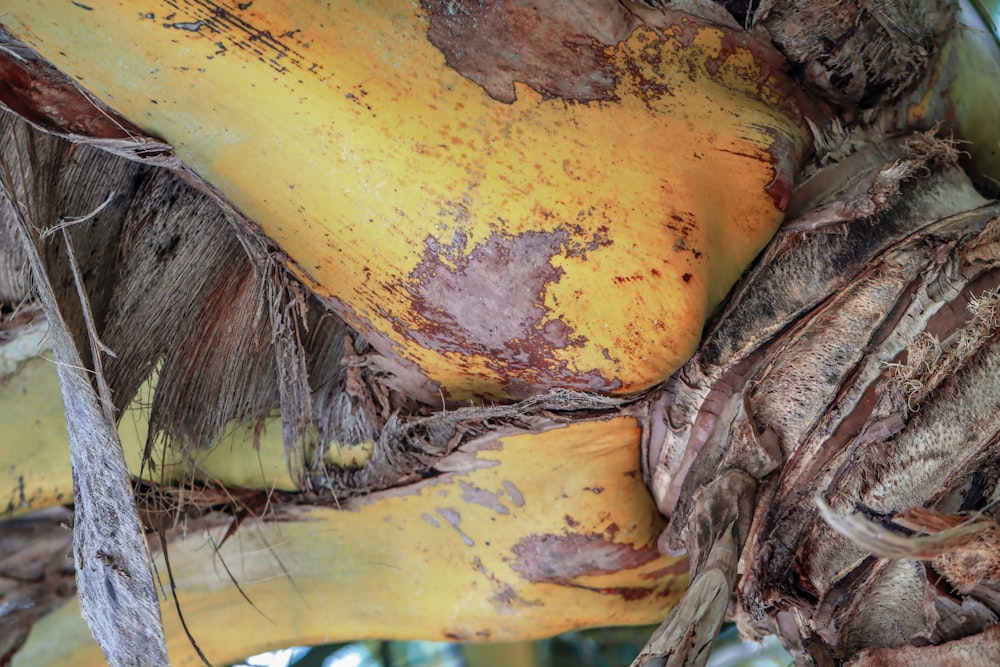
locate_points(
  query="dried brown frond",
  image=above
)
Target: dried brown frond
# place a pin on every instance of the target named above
(929, 361)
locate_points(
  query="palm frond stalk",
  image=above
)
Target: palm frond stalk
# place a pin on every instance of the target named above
(487, 321)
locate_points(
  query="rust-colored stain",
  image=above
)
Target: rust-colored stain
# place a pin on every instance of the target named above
(497, 43)
(506, 600)
(561, 558)
(777, 189)
(35, 91)
(573, 53)
(490, 302)
(630, 593)
(651, 54)
(758, 73)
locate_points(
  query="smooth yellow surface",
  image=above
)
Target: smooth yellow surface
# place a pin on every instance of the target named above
(241, 457)
(339, 128)
(34, 448)
(35, 468)
(395, 567)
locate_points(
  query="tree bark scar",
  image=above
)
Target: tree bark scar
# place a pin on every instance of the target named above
(560, 52)
(490, 301)
(47, 99)
(559, 558)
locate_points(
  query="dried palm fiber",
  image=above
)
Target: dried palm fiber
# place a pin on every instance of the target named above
(173, 288)
(114, 575)
(14, 280)
(253, 331)
(804, 369)
(858, 55)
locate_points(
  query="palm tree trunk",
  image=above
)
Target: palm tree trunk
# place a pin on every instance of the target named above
(478, 425)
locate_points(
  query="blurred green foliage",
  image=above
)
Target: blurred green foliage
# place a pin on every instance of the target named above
(603, 647)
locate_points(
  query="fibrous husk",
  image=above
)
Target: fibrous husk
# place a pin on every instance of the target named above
(111, 556)
(867, 364)
(977, 649)
(858, 55)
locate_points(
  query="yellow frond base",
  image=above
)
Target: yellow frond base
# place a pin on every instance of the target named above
(540, 532)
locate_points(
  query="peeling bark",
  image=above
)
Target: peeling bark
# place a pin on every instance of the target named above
(877, 386)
